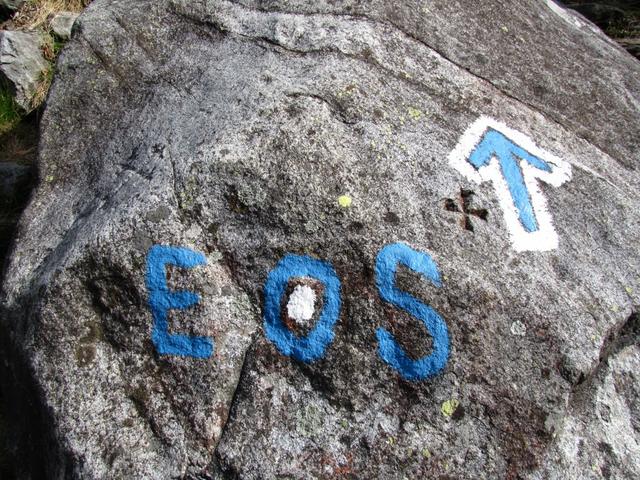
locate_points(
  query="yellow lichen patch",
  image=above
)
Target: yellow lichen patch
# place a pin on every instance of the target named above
(449, 407)
(345, 201)
(414, 113)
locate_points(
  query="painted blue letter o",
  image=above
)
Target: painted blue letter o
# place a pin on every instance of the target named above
(313, 346)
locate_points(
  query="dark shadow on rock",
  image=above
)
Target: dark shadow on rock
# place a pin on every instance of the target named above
(18, 152)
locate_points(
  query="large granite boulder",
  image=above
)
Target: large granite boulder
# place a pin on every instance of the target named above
(324, 239)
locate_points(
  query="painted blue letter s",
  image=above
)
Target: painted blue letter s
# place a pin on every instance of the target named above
(161, 299)
(391, 352)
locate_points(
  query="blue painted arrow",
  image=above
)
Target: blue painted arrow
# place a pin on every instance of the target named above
(495, 144)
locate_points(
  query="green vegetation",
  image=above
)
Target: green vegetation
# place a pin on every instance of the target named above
(46, 78)
(618, 18)
(626, 28)
(9, 111)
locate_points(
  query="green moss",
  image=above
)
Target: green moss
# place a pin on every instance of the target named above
(309, 420)
(188, 195)
(9, 110)
(57, 46)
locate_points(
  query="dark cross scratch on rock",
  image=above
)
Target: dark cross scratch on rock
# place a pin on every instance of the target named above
(464, 205)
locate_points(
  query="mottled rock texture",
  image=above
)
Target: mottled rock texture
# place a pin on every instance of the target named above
(233, 128)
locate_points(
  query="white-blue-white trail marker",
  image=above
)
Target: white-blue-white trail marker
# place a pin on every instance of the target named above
(489, 151)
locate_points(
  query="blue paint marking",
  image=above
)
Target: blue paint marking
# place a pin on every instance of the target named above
(161, 300)
(495, 144)
(391, 352)
(313, 346)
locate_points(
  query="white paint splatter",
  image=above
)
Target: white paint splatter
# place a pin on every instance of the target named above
(518, 328)
(302, 304)
(545, 238)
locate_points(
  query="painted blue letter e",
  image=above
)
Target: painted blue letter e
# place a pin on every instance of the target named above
(161, 299)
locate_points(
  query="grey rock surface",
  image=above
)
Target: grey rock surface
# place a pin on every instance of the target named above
(62, 23)
(599, 435)
(21, 64)
(232, 129)
(11, 4)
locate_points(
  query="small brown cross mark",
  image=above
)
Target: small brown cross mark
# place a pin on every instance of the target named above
(463, 205)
